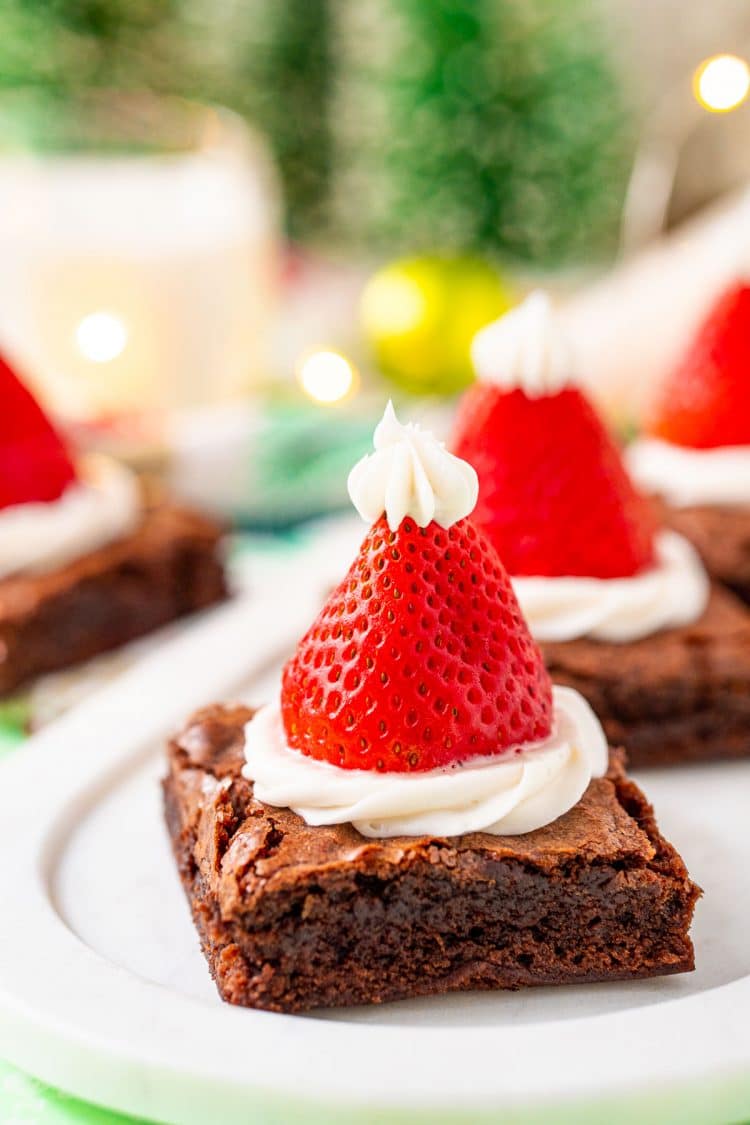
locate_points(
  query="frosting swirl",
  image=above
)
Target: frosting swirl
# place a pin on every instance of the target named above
(673, 592)
(526, 349)
(691, 476)
(101, 506)
(411, 473)
(520, 791)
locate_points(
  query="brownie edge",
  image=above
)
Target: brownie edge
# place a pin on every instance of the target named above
(169, 566)
(721, 535)
(292, 917)
(677, 696)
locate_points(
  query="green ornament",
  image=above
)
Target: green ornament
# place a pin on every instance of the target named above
(420, 315)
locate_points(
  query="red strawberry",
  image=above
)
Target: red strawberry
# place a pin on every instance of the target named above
(706, 401)
(419, 659)
(554, 496)
(34, 463)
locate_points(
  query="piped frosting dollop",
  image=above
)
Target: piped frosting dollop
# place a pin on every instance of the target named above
(411, 473)
(527, 349)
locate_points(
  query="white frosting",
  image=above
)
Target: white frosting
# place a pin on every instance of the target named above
(691, 476)
(515, 793)
(101, 506)
(527, 349)
(411, 473)
(673, 592)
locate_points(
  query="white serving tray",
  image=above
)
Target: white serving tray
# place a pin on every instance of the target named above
(104, 992)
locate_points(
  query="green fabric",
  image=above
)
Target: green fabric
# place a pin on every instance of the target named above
(24, 1101)
(14, 719)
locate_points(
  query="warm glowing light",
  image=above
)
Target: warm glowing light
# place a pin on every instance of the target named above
(101, 337)
(326, 376)
(722, 83)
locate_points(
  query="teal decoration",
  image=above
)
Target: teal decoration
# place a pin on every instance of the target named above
(300, 464)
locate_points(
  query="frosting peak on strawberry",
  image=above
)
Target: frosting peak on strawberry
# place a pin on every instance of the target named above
(554, 496)
(420, 658)
(526, 349)
(411, 474)
(34, 464)
(705, 403)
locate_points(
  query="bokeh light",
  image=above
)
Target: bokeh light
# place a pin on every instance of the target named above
(326, 376)
(722, 83)
(101, 337)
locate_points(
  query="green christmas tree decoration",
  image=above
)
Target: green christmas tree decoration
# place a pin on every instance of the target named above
(283, 68)
(492, 126)
(62, 47)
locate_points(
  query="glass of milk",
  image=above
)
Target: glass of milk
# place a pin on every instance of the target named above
(139, 242)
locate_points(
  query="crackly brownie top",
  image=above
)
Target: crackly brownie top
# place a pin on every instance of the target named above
(237, 835)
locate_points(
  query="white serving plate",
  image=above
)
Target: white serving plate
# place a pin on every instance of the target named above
(104, 992)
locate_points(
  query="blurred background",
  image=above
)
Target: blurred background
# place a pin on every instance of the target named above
(230, 228)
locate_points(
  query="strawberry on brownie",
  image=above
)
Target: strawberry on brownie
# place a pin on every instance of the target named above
(695, 453)
(85, 565)
(35, 466)
(420, 809)
(622, 607)
(425, 613)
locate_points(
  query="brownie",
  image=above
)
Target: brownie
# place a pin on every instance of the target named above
(721, 536)
(293, 917)
(677, 696)
(169, 566)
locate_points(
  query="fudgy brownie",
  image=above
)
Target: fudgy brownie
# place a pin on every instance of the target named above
(677, 696)
(293, 917)
(721, 535)
(169, 566)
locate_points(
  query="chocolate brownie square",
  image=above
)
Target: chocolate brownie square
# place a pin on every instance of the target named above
(721, 535)
(169, 566)
(293, 917)
(678, 696)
